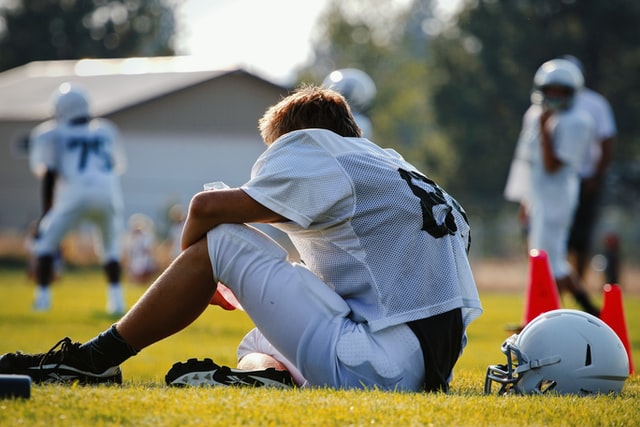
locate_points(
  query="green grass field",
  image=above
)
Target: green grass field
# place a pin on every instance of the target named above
(144, 400)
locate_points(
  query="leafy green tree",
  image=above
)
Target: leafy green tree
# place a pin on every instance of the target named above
(483, 69)
(451, 95)
(71, 29)
(388, 44)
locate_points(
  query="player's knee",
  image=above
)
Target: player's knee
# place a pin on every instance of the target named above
(250, 237)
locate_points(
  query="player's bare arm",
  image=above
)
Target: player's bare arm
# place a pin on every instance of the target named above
(551, 161)
(230, 206)
(593, 183)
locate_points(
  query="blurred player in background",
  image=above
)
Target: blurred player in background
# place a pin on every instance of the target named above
(359, 90)
(177, 216)
(544, 175)
(593, 172)
(384, 297)
(78, 159)
(140, 249)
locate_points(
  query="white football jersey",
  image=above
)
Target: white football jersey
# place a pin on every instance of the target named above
(78, 153)
(571, 134)
(381, 234)
(605, 126)
(87, 159)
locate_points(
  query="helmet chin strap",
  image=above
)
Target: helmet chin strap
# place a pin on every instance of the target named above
(538, 363)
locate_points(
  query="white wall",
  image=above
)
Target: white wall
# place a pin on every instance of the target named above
(163, 169)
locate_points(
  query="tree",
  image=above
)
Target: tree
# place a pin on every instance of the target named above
(451, 94)
(484, 66)
(33, 30)
(388, 44)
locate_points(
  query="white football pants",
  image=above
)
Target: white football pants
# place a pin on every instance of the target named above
(74, 203)
(306, 321)
(551, 235)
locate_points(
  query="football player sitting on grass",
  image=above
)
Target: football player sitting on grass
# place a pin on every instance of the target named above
(383, 298)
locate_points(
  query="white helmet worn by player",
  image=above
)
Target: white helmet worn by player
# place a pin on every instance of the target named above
(355, 85)
(557, 72)
(562, 351)
(70, 102)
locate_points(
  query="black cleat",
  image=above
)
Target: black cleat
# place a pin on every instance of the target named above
(62, 366)
(205, 373)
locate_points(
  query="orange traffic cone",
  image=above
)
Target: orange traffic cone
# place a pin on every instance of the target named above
(612, 314)
(542, 292)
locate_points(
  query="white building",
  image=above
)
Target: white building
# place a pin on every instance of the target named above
(182, 126)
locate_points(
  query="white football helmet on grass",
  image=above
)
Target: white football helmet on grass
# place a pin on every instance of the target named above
(562, 351)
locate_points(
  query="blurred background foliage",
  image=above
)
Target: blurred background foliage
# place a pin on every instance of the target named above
(452, 89)
(39, 30)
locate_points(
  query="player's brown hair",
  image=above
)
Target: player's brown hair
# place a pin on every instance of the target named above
(308, 107)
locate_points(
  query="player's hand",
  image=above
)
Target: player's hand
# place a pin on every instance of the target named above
(544, 117)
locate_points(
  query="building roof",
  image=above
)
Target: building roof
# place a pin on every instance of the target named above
(112, 84)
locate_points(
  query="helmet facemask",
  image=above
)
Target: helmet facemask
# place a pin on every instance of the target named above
(511, 375)
(554, 97)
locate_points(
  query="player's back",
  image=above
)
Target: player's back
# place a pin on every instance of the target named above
(83, 153)
(385, 237)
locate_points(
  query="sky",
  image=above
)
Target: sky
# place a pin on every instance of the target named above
(269, 36)
(272, 37)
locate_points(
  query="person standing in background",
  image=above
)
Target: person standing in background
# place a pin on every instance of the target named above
(544, 176)
(593, 172)
(78, 159)
(140, 249)
(177, 215)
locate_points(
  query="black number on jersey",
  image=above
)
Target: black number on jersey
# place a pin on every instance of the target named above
(428, 200)
(90, 147)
